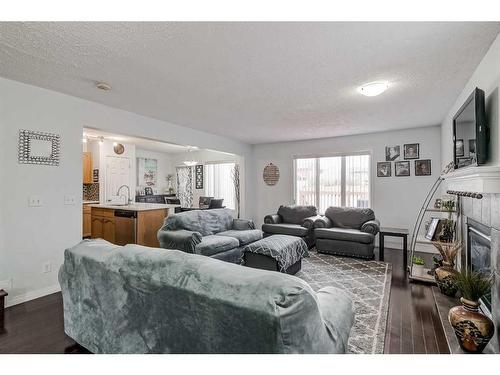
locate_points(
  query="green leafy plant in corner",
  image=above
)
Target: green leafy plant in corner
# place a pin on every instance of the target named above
(472, 284)
(418, 261)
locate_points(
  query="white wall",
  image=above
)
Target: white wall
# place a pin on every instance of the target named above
(487, 78)
(37, 235)
(395, 200)
(165, 166)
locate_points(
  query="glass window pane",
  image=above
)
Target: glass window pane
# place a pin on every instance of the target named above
(357, 181)
(305, 172)
(219, 183)
(330, 182)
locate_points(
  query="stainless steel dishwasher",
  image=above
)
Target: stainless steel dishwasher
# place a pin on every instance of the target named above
(125, 227)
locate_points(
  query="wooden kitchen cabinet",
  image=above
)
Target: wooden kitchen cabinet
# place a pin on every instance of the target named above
(103, 224)
(87, 221)
(87, 168)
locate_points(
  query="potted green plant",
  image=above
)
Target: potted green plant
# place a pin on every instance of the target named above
(472, 328)
(418, 266)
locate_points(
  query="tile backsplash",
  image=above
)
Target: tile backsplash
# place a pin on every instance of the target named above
(91, 192)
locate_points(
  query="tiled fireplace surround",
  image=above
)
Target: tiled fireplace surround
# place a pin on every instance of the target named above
(487, 212)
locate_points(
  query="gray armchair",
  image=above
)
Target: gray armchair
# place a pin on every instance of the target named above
(214, 233)
(347, 231)
(293, 221)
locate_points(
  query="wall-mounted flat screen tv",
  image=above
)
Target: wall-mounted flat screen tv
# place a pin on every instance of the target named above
(471, 132)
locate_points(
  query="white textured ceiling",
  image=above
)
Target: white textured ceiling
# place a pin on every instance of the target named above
(257, 82)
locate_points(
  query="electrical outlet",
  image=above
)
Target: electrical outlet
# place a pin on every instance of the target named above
(6, 285)
(35, 201)
(47, 267)
(69, 199)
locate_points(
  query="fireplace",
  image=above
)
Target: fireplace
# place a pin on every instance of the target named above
(479, 255)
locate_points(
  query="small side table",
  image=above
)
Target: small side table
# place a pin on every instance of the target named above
(3, 294)
(394, 232)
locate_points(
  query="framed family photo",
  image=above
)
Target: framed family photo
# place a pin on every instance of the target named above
(411, 151)
(423, 167)
(392, 153)
(384, 169)
(402, 168)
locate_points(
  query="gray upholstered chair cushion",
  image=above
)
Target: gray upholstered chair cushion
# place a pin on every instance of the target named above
(296, 214)
(343, 234)
(289, 229)
(206, 222)
(243, 236)
(241, 224)
(211, 245)
(349, 217)
(273, 219)
(323, 222)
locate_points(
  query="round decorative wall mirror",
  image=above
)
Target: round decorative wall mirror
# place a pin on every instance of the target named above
(118, 148)
(271, 174)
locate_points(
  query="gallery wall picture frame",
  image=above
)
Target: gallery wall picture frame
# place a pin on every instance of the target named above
(411, 151)
(147, 172)
(423, 167)
(198, 173)
(40, 148)
(401, 168)
(384, 169)
(392, 152)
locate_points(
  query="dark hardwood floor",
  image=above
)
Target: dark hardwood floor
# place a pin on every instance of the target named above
(413, 324)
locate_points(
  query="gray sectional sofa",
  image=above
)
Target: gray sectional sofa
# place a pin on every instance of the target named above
(293, 221)
(136, 299)
(347, 231)
(214, 233)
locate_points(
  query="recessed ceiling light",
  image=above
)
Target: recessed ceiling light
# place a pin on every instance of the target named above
(373, 88)
(103, 86)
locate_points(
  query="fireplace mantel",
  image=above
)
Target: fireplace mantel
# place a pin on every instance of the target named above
(484, 179)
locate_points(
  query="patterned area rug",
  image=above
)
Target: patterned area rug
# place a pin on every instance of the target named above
(369, 285)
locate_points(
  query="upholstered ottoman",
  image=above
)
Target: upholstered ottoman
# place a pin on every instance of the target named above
(278, 252)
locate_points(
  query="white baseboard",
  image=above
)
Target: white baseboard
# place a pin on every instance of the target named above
(34, 294)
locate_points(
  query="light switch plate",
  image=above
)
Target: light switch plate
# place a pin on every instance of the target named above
(35, 201)
(69, 199)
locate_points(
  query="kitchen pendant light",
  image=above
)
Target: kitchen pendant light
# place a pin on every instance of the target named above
(190, 162)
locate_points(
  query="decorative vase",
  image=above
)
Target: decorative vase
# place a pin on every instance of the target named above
(472, 328)
(418, 269)
(444, 279)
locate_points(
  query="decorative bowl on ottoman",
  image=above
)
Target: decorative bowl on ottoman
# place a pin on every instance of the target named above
(279, 252)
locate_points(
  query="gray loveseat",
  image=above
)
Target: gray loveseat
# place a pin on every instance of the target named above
(347, 231)
(293, 221)
(136, 299)
(214, 233)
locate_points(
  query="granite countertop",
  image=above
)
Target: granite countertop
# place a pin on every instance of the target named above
(137, 206)
(90, 202)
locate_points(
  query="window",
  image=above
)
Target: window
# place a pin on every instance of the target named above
(333, 181)
(219, 183)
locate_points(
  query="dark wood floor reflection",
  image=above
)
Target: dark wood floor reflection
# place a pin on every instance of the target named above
(413, 323)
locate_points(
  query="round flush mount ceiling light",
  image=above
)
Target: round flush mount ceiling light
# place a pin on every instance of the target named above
(373, 88)
(103, 86)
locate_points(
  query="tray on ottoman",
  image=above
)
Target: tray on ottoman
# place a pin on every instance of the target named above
(276, 253)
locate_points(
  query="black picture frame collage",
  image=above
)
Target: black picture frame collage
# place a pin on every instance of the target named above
(402, 168)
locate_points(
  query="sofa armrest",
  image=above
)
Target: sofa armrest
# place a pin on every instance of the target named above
(371, 226)
(183, 240)
(337, 312)
(273, 219)
(241, 224)
(323, 222)
(309, 221)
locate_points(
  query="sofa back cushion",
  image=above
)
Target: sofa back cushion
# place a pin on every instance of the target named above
(124, 300)
(296, 214)
(349, 217)
(206, 222)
